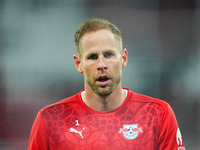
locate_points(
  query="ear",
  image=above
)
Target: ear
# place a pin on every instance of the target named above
(77, 62)
(124, 55)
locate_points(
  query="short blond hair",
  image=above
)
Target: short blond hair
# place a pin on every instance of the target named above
(92, 25)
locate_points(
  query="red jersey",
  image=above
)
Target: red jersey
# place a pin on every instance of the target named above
(140, 123)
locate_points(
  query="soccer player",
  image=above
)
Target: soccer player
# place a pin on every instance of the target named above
(104, 116)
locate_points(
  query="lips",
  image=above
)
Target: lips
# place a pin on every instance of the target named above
(103, 80)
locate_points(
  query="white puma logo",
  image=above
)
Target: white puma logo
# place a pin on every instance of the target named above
(75, 131)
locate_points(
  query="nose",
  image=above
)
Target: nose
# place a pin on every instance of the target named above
(101, 64)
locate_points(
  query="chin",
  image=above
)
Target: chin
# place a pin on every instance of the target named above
(103, 91)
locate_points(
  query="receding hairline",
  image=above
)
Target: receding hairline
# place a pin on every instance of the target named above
(94, 25)
(117, 40)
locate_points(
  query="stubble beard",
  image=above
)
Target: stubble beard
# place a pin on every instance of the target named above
(104, 91)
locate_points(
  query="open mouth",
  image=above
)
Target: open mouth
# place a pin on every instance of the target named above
(103, 78)
(103, 81)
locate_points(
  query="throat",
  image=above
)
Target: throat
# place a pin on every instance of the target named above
(108, 103)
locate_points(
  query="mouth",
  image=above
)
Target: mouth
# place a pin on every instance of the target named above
(103, 80)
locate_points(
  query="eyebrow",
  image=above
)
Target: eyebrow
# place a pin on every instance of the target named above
(109, 51)
(90, 54)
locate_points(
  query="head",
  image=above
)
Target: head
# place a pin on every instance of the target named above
(100, 56)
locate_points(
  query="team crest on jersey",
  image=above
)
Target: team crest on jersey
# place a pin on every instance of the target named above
(130, 131)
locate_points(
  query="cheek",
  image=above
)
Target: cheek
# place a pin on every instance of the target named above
(88, 68)
(88, 72)
(85, 67)
(117, 67)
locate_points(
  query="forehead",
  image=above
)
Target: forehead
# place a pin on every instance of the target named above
(98, 40)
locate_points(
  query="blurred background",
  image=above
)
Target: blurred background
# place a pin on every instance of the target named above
(36, 58)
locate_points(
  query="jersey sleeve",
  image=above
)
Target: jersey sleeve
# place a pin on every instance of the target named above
(38, 137)
(170, 137)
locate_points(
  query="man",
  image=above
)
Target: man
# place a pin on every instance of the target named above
(104, 115)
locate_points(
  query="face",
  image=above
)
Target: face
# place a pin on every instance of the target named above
(101, 61)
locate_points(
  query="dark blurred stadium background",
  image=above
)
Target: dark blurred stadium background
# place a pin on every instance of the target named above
(36, 66)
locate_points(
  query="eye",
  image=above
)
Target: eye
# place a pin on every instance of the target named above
(108, 54)
(93, 56)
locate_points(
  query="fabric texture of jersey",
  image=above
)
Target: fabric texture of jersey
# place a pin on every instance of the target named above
(140, 123)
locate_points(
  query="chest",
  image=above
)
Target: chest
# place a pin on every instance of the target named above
(128, 128)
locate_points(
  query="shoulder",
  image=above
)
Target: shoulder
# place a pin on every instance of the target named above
(147, 100)
(150, 105)
(64, 104)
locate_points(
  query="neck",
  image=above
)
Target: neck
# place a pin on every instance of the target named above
(110, 102)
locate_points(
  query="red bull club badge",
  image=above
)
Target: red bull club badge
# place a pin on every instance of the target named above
(130, 131)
